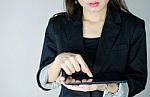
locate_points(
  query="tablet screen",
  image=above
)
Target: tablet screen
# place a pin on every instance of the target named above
(98, 78)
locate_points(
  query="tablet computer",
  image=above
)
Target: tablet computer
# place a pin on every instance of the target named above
(98, 78)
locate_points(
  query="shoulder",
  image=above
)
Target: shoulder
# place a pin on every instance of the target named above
(57, 22)
(133, 24)
(130, 19)
(60, 17)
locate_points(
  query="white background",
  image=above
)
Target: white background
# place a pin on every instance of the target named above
(22, 28)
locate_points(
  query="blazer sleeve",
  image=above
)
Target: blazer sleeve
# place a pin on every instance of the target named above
(137, 60)
(49, 51)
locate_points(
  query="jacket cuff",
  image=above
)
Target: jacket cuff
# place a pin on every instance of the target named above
(43, 78)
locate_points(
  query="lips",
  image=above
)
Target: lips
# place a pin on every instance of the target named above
(93, 4)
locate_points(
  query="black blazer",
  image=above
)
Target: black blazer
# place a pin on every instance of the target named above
(122, 48)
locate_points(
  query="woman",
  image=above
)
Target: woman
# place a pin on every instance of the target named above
(94, 36)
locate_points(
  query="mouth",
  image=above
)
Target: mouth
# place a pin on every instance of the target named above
(93, 4)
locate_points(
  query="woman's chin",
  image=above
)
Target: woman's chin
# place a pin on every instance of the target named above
(93, 10)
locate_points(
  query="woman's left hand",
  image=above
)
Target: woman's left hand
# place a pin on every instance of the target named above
(84, 88)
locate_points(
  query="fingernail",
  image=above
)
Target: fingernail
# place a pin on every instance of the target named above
(90, 75)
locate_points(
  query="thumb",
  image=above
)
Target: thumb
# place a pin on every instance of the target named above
(62, 79)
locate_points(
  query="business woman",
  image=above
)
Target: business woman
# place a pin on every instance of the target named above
(94, 36)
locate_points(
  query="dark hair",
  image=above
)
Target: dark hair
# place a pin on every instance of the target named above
(72, 7)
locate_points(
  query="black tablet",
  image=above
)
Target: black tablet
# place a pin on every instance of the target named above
(98, 78)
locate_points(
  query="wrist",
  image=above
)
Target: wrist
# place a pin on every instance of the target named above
(54, 71)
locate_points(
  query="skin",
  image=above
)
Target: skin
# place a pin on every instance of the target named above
(93, 20)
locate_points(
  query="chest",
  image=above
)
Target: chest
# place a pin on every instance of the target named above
(113, 46)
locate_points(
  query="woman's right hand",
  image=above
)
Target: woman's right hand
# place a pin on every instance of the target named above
(71, 63)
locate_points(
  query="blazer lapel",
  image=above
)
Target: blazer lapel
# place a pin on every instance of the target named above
(111, 29)
(74, 35)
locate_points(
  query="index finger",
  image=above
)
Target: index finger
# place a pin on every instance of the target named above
(84, 66)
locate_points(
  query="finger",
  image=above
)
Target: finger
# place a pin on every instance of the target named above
(66, 69)
(73, 80)
(75, 63)
(70, 66)
(72, 87)
(62, 79)
(84, 80)
(89, 80)
(86, 70)
(69, 79)
(84, 66)
(101, 87)
(77, 81)
(85, 87)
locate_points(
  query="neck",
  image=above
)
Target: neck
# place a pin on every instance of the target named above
(94, 16)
